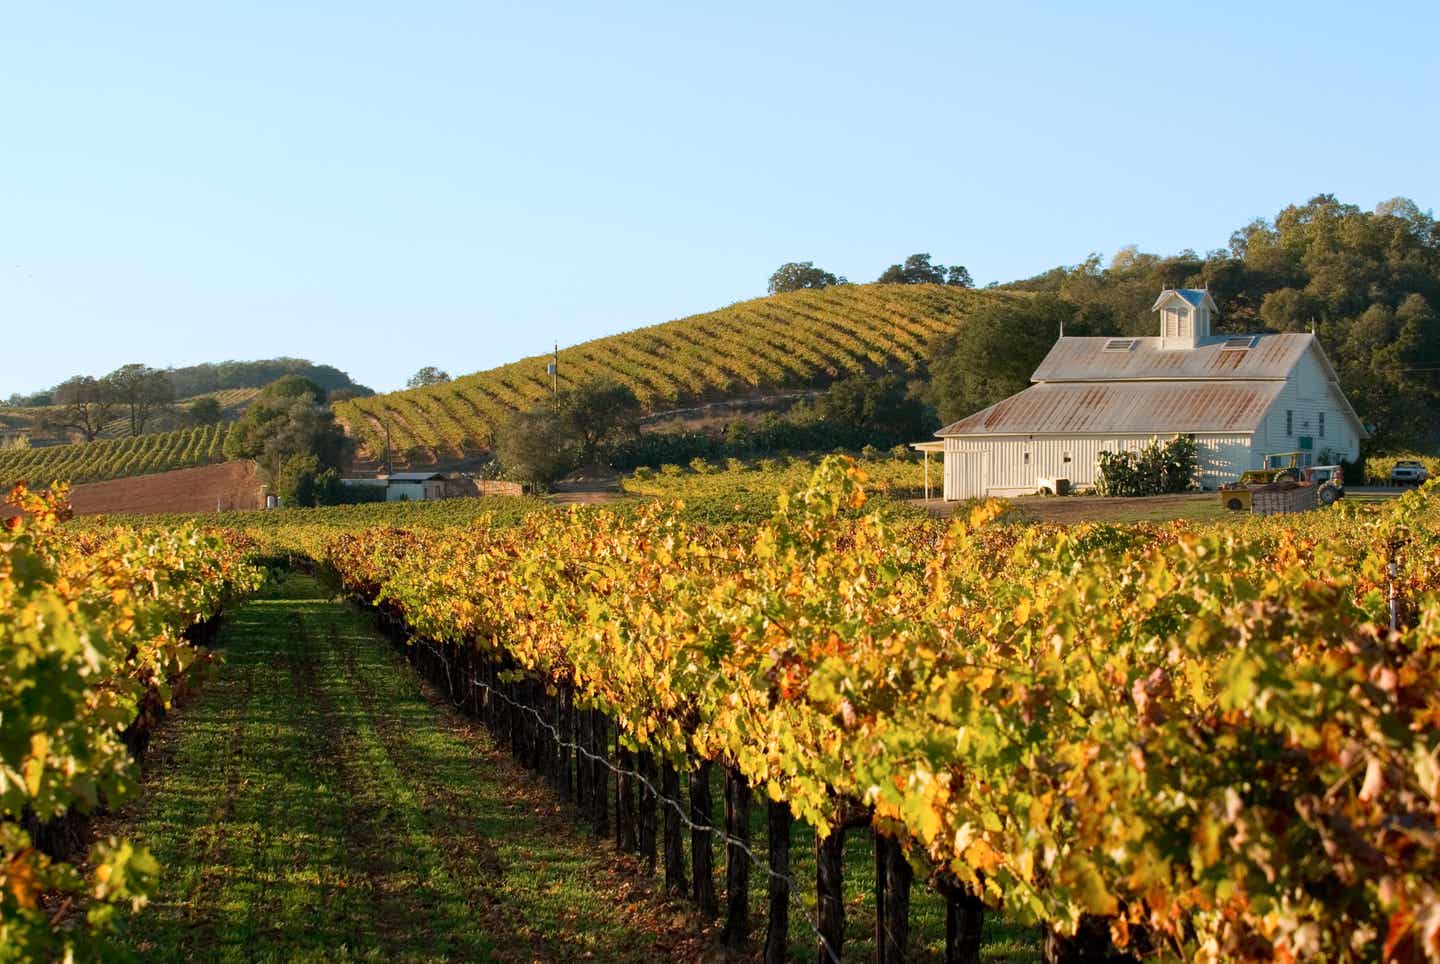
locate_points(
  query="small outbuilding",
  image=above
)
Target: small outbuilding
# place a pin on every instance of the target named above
(1240, 396)
(414, 486)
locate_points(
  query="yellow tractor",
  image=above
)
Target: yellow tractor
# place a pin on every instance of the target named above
(1281, 469)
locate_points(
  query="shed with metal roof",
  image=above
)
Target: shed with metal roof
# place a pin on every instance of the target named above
(1239, 396)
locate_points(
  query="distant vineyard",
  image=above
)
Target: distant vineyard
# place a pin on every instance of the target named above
(795, 339)
(114, 458)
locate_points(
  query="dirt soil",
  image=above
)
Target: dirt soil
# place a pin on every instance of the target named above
(230, 485)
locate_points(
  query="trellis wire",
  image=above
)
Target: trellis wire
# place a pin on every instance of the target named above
(673, 804)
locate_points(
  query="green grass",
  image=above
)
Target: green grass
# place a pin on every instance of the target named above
(313, 804)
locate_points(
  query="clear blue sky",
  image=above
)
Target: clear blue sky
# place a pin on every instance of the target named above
(385, 186)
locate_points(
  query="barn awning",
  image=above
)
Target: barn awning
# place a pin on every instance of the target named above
(1124, 408)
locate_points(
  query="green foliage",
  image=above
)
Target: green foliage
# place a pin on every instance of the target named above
(992, 356)
(917, 270)
(142, 391)
(597, 416)
(796, 275)
(535, 448)
(1159, 468)
(204, 411)
(288, 419)
(429, 375)
(884, 407)
(295, 482)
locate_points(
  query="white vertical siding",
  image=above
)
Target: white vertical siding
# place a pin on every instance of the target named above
(1308, 394)
(1015, 461)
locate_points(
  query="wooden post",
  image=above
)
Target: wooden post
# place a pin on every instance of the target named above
(625, 802)
(882, 860)
(964, 920)
(646, 766)
(737, 860)
(830, 895)
(1091, 942)
(562, 750)
(899, 875)
(675, 882)
(701, 857)
(777, 928)
(582, 762)
(600, 798)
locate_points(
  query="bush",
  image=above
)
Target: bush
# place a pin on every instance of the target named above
(643, 474)
(1157, 469)
(701, 467)
(733, 464)
(1377, 467)
(904, 453)
(670, 468)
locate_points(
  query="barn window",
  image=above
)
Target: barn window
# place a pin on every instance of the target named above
(1322, 424)
(1289, 422)
(1027, 458)
(1066, 458)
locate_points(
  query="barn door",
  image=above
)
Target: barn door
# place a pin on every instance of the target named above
(967, 475)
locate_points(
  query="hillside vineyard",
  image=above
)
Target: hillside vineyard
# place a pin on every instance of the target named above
(800, 338)
(114, 458)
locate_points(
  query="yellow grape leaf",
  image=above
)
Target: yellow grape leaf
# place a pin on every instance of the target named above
(35, 765)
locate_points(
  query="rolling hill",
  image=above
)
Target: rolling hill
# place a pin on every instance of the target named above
(798, 339)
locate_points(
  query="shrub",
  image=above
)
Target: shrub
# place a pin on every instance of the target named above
(733, 464)
(699, 466)
(1157, 469)
(670, 468)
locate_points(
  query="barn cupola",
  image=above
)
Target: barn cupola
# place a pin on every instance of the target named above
(1185, 316)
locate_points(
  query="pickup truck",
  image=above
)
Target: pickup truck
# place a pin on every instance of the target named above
(1408, 472)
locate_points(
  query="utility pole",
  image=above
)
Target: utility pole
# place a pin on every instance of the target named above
(389, 467)
(553, 370)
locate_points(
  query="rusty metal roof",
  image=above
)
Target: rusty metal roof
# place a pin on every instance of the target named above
(1085, 359)
(1125, 408)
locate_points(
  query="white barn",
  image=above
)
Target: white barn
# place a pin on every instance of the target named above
(1241, 396)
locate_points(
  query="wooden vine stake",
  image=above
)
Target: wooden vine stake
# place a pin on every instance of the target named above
(778, 821)
(737, 860)
(701, 856)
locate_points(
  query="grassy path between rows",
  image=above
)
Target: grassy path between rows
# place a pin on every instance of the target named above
(313, 804)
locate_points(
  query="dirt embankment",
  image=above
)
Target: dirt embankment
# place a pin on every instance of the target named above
(229, 485)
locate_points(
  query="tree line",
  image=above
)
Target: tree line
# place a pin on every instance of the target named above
(914, 270)
(191, 380)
